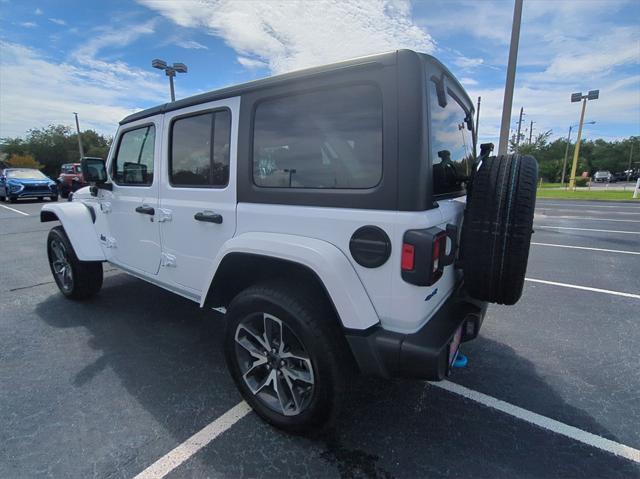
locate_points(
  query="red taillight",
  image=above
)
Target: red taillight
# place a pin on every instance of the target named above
(408, 257)
(424, 254)
(439, 250)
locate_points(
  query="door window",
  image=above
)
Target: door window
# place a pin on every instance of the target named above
(322, 139)
(200, 150)
(133, 163)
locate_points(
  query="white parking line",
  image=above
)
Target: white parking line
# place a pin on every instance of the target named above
(586, 229)
(582, 218)
(587, 248)
(591, 211)
(202, 438)
(542, 421)
(587, 205)
(184, 451)
(584, 288)
(17, 211)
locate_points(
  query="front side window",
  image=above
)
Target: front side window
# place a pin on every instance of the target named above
(133, 163)
(323, 139)
(451, 143)
(200, 150)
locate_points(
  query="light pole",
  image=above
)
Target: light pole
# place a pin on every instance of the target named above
(511, 78)
(79, 137)
(576, 97)
(170, 71)
(566, 150)
(531, 130)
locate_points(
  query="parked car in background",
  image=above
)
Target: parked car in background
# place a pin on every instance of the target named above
(16, 183)
(602, 176)
(620, 176)
(70, 179)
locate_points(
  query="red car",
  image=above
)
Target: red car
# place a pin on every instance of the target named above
(70, 179)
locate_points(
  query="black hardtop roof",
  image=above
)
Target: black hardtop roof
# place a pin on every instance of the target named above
(382, 59)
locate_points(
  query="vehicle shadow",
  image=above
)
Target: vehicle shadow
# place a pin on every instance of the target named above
(168, 355)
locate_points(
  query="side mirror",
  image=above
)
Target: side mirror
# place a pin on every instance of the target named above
(94, 172)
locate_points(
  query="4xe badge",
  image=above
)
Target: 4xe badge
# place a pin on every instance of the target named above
(431, 295)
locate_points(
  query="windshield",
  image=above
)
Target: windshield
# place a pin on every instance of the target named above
(451, 141)
(26, 174)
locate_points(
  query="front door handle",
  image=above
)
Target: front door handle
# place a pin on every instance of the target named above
(208, 217)
(145, 210)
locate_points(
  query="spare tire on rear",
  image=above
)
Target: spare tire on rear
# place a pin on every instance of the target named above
(497, 228)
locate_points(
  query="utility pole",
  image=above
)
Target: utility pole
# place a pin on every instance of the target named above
(477, 125)
(531, 130)
(511, 78)
(519, 126)
(79, 137)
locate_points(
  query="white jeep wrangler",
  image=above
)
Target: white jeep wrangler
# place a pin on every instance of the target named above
(323, 210)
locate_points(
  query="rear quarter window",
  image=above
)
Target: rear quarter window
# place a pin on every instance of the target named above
(329, 139)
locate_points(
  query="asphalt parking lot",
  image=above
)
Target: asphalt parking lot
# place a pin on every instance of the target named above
(108, 387)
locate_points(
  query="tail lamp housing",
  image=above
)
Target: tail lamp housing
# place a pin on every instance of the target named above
(424, 254)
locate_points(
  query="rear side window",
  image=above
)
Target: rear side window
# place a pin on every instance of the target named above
(451, 144)
(200, 150)
(322, 139)
(133, 164)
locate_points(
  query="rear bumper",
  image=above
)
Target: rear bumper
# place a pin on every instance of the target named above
(423, 354)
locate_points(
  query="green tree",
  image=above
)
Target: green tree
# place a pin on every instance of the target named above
(54, 145)
(23, 161)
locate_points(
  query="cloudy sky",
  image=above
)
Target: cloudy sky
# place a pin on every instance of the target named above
(61, 56)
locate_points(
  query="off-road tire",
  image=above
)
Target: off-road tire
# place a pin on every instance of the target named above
(309, 315)
(87, 275)
(497, 228)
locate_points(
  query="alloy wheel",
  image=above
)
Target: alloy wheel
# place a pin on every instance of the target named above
(274, 364)
(61, 266)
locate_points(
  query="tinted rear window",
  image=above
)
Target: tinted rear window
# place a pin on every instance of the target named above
(451, 143)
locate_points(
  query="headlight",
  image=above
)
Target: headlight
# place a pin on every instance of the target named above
(15, 187)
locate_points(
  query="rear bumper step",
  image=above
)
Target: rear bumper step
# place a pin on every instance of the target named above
(423, 354)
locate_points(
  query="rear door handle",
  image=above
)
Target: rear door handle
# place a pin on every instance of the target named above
(208, 217)
(145, 210)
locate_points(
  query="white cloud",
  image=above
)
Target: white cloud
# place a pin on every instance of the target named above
(468, 81)
(191, 45)
(467, 63)
(57, 21)
(289, 35)
(38, 12)
(597, 55)
(251, 63)
(28, 24)
(36, 92)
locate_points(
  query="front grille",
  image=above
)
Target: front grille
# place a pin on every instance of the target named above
(36, 189)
